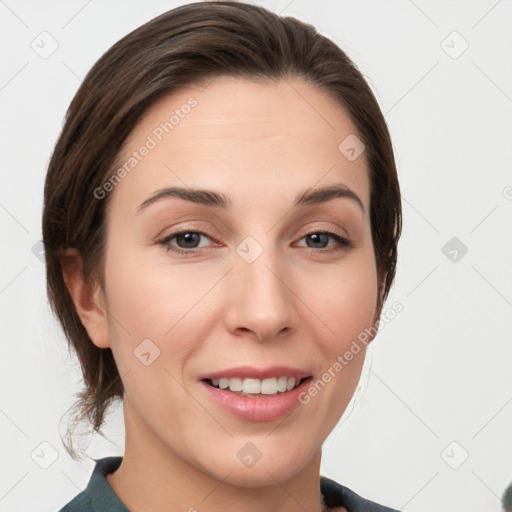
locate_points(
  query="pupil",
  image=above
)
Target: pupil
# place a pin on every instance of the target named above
(319, 238)
(189, 239)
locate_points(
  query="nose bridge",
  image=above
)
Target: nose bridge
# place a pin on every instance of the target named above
(261, 301)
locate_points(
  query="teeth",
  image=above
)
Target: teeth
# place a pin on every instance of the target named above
(290, 384)
(257, 386)
(252, 386)
(282, 382)
(236, 384)
(269, 386)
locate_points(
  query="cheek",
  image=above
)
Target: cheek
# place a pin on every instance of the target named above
(345, 301)
(151, 298)
(344, 298)
(151, 306)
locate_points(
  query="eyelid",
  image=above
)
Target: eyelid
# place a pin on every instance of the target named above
(319, 229)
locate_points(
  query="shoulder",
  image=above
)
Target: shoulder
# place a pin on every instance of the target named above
(98, 496)
(337, 495)
(78, 504)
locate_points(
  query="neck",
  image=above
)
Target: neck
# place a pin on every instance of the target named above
(152, 477)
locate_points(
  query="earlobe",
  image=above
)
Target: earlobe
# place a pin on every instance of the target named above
(87, 298)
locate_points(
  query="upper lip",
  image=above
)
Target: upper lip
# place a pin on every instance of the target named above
(251, 372)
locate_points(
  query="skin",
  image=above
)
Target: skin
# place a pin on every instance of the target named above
(261, 143)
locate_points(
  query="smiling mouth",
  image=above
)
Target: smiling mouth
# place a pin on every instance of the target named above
(256, 388)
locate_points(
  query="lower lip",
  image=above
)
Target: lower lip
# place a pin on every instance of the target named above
(261, 408)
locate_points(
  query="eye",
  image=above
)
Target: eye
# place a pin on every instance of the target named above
(319, 240)
(187, 241)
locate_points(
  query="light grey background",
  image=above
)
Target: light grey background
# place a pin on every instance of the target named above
(438, 386)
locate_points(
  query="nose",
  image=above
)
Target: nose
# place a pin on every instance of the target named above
(261, 298)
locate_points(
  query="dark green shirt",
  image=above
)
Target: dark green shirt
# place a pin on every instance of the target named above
(98, 496)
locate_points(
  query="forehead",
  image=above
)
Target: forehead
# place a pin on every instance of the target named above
(255, 139)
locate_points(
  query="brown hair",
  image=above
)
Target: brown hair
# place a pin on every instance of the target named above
(189, 45)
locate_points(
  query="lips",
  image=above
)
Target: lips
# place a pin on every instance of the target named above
(256, 394)
(250, 372)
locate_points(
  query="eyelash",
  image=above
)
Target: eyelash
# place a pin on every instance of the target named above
(343, 243)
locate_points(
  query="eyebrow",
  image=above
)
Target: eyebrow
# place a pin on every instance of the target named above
(212, 198)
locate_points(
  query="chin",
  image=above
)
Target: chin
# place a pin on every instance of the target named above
(262, 475)
(251, 467)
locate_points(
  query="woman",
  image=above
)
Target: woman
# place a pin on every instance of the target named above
(221, 221)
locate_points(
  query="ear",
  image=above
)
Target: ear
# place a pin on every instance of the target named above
(87, 296)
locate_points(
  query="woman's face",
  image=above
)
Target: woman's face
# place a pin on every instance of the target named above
(252, 288)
